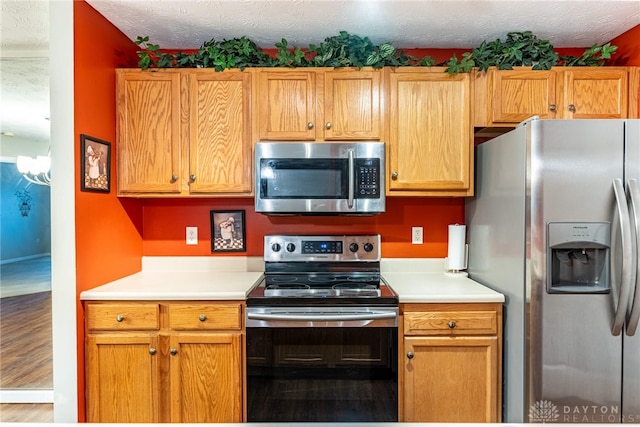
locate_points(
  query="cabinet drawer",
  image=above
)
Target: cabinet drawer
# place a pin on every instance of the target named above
(116, 316)
(451, 323)
(205, 316)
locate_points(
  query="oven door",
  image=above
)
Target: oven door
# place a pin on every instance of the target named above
(328, 364)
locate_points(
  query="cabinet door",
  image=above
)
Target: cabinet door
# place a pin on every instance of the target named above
(430, 134)
(287, 105)
(122, 375)
(219, 132)
(451, 379)
(520, 94)
(595, 93)
(148, 129)
(206, 378)
(351, 105)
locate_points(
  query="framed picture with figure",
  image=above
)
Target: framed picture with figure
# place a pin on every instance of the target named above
(95, 164)
(228, 231)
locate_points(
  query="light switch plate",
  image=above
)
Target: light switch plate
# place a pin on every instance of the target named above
(192, 235)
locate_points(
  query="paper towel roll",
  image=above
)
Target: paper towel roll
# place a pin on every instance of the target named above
(456, 258)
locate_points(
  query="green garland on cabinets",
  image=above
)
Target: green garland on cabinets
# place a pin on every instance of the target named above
(350, 50)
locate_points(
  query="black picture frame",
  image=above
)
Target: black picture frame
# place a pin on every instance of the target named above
(228, 231)
(95, 164)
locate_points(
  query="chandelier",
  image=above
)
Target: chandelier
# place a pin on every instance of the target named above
(35, 170)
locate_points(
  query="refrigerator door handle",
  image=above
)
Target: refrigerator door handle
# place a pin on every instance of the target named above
(628, 257)
(634, 307)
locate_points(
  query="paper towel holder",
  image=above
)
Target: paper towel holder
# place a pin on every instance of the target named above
(458, 273)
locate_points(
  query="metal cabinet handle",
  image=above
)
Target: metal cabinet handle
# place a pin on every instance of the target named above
(202, 317)
(572, 107)
(394, 175)
(152, 351)
(174, 177)
(451, 324)
(119, 318)
(192, 177)
(410, 355)
(310, 125)
(173, 351)
(552, 107)
(328, 125)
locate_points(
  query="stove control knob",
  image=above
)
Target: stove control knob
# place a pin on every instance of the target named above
(353, 247)
(291, 247)
(368, 247)
(275, 247)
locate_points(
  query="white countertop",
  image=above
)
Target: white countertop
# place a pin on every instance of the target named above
(231, 278)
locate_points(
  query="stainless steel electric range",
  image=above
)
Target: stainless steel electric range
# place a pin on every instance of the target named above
(322, 333)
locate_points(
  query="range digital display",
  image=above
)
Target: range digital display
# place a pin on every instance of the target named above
(321, 247)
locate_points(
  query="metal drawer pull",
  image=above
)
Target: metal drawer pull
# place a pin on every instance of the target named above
(552, 107)
(451, 324)
(152, 351)
(310, 125)
(174, 178)
(410, 355)
(572, 107)
(119, 318)
(202, 317)
(173, 351)
(328, 125)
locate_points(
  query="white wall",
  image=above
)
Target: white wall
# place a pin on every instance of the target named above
(63, 250)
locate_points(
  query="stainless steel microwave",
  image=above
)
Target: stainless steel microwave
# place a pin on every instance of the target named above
(320, 178)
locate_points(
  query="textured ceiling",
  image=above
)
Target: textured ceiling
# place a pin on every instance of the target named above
(406, 23)
(24, 32)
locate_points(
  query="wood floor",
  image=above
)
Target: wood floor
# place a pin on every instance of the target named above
(26, 360)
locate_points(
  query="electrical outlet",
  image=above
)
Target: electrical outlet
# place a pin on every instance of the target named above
(416, 235)
(192, 235)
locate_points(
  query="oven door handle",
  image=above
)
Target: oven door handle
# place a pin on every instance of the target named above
(321, 316)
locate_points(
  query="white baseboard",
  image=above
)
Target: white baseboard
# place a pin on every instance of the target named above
(26, 396)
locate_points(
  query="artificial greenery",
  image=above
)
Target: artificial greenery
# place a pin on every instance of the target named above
(349, 50)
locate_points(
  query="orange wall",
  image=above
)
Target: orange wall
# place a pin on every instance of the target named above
(628, 53)
(108, 231)
(165, 221)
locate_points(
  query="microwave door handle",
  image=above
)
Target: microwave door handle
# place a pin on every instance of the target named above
(351, 180)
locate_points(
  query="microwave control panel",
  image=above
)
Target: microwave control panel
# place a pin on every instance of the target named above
(368, 178)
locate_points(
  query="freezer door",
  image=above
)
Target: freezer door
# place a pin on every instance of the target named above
(631, 345)
(574, 363)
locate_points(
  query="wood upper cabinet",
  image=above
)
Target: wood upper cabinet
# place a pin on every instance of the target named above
(451, 363)
(219, 132)
(507, 97)
(164, 362)
(148, 131)
(318, 104)
(184, 132)
(430, 135)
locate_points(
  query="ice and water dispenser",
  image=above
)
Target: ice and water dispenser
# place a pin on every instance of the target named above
(578, 257)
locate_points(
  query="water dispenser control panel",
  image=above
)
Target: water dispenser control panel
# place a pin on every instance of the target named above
(578, 257)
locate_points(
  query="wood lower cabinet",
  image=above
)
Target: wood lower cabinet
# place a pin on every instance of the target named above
(430, 135)
(318, 104)
(178, 362)
(451, 363)
(183, 132)
(507, 97)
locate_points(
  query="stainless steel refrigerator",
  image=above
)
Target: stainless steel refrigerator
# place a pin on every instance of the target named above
(553, 226)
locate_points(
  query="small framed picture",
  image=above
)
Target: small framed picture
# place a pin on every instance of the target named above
(228, 231)
(95, 167)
